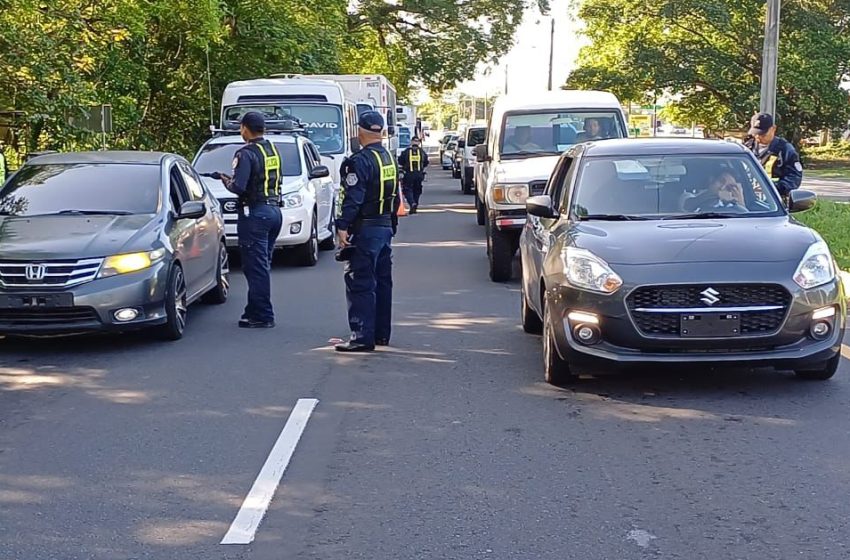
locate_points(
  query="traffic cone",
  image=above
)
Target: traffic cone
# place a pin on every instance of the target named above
(402, 209)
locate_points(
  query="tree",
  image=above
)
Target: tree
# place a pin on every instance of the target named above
(706, 55)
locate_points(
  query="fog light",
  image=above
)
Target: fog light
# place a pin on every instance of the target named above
(126, 314)
(587, 334)
(295, 228)
(821, 329)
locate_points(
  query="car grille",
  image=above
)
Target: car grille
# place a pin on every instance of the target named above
(48, 274)
(536, 188)
(60, 316)
(657, 310)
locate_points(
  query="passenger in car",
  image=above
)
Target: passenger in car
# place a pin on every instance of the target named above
(521, 140)
(724, 192)
(592, 130)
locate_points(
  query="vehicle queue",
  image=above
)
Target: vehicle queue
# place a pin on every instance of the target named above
(632, 251)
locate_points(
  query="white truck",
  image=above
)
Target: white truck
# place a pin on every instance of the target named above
(370, 92)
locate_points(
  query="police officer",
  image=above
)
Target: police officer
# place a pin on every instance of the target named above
(776, 154)
(365, 226)
(256, 180)
(413, 161)
(2, 165)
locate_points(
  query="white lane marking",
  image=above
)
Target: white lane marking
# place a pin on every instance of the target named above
(253, 509)
(642, 538)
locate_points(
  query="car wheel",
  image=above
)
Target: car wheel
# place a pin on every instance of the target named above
(556, 371)
(176, 305)
(531, 322)
(329, 244)
(308, 253)
(221, 290)
(480, 213)
(501, 253)
(828, 370)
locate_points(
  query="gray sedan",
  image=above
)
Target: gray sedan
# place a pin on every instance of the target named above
(108, 241)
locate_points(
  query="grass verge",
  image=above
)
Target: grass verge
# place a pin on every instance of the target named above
(832, 221)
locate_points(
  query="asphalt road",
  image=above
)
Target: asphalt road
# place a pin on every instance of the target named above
(447, 445)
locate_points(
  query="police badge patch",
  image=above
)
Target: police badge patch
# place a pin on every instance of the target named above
(351, 179)
(798, 166)
(235, 163)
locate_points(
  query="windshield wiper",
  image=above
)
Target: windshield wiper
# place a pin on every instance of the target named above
(94, 212)
(611, 217)
(705, 216)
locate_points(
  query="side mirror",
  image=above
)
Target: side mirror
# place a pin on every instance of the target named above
(481, 154)
(355, 143)
(461, 143)
(541, 206)
(192, 210)
(799, 201)
(320, 172)
(391, 130)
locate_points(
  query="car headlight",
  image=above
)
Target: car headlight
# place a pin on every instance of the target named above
(585, 270)
(510, 194)
(129, 262)
(816, 268)
(293, 200)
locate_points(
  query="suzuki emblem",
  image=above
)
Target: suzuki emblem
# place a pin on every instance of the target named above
(35, 272)
(710, 296)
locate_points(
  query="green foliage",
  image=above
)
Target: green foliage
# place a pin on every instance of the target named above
(830, 219)
(707, 54)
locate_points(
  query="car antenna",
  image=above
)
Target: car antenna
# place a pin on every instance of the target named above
(209, 90)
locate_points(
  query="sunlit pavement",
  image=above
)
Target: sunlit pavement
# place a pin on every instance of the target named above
(447, 445)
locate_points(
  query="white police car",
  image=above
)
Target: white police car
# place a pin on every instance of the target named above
(307, 191)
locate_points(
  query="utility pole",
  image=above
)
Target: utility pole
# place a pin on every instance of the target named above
(770, 60)
(551, 51)
(506, 79)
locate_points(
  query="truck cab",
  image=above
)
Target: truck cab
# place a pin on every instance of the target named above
(525, 137)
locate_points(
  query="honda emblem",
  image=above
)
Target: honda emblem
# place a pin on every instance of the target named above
(35, 272)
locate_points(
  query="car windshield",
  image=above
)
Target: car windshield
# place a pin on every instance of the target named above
(540, 133)
(111, 188)
(322, 121)
(218, 158)
(672, 187)
(476, 136)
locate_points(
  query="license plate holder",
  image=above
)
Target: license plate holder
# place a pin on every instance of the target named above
(36, 301)
(710, 325)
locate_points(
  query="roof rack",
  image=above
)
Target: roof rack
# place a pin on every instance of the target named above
(285, 126)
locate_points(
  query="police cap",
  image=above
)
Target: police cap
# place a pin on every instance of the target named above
(371, 121)
(253, 121)
(761, 123)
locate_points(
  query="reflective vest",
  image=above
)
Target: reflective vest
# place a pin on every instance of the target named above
(414, 160)
(388, 182)
(267, 186)
(2, 167)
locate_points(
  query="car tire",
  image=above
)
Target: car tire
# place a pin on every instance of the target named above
(531, 322)
(556, 370)
(308, 252)
(329, 244)
(501, 253)
(218, 294)
(828, 370)
(480, 211)
(455, 174)
(176, 306)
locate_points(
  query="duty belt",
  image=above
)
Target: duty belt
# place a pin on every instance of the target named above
(269, 201)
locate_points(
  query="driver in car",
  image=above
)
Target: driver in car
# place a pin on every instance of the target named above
(724, 193)
(521, 140)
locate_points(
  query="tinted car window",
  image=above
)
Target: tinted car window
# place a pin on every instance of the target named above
(671, 186)
(196, 190)
(475, 137)
(219, 157)
(50, 188)
(552, 132)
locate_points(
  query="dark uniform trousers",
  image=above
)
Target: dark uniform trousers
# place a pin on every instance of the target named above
(257, 235)
(413, 186)
(369, 284)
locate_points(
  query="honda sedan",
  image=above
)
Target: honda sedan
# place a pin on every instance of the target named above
(676, 251)
(107, 241)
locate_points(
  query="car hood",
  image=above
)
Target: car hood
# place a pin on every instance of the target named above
(728, 240)
(290, 184)
(72, 237)
(525, 170)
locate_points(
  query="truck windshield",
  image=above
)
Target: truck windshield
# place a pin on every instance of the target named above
(323, 121)
(538, 133)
